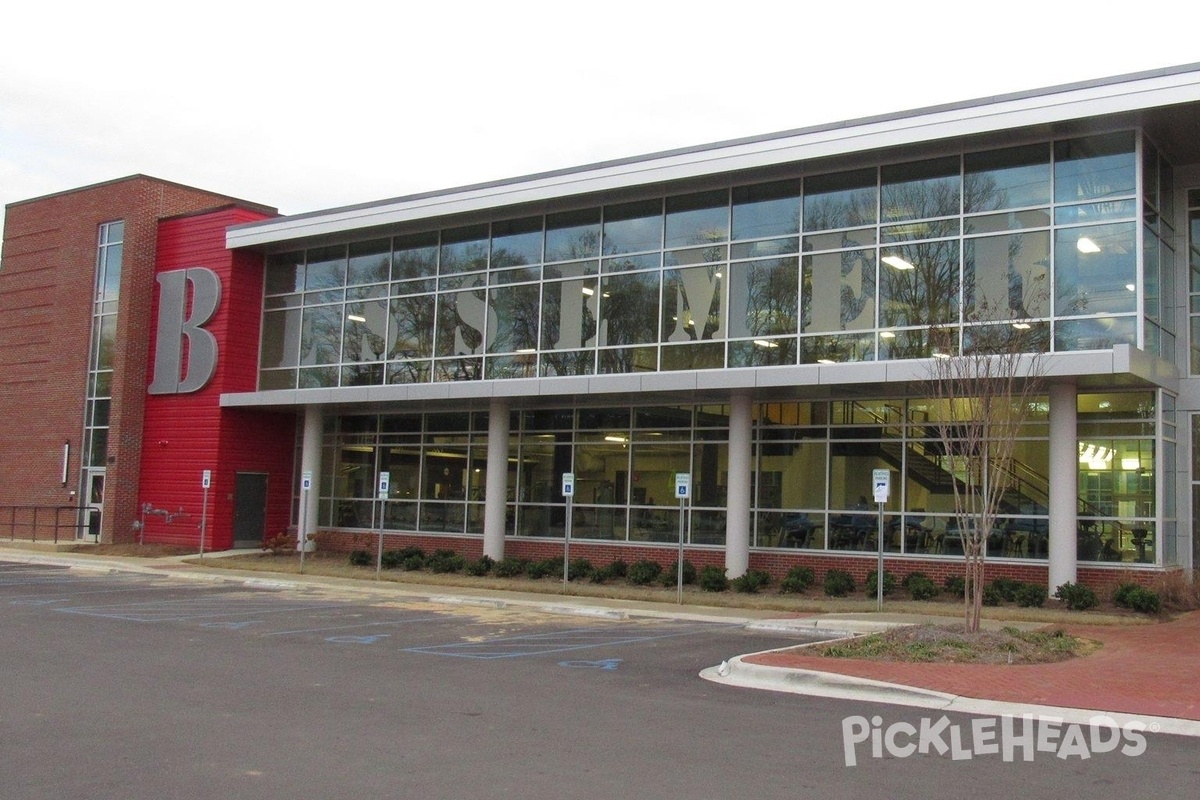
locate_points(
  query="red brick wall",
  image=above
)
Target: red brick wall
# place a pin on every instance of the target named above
(46, 285)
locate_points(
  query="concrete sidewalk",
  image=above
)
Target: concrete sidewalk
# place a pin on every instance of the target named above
(1147, 673)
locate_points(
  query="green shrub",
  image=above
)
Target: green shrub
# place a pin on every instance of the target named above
(411, 550)
(617, 569)
(838, 583)
(1140, 599)
(445, 561)
(414, 562)
(1077, 596)
(579, 568)
(712, 579)
(480, 567)
(797, 580)
(391, 559)
(920, 587)
(751, 581)
(1007, 588)
(509, 567)
(955, 585)
(1121, 594)
(360, 558)
(889, 583)
(1030, 595)
(540, 569)
(644, 572)
(670, 575)
(991, 595)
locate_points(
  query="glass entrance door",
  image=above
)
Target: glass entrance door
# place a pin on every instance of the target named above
(93, 505)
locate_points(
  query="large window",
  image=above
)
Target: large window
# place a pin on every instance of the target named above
(811, 476)
(109, 254)
(858, 265)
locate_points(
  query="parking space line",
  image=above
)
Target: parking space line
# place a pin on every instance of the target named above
(172, 612)
(357, 625)
(559, 642)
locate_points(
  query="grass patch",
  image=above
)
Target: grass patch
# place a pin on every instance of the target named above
(942, 644)
(128, 550)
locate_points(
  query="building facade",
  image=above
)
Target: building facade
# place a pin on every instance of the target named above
(762, 315)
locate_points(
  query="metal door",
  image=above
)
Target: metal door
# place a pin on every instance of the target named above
(249, 509)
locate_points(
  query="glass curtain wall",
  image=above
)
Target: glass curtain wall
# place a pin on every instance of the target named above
(900, 261)
(811, 479)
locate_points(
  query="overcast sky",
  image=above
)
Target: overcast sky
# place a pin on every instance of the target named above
(307, 106)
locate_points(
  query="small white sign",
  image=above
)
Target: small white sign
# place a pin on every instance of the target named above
(683, 485)
(306, 480)
(568, 485)
(385, 479)
(206, 479)
(881, 484)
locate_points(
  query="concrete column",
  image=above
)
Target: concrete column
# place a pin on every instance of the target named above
(1064, 485)
(310, 461)
(737, 511)
(496, 492)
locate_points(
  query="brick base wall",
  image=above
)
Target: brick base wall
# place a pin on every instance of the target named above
(774, 562)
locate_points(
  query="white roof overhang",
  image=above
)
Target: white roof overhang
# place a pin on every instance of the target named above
(1049, 106)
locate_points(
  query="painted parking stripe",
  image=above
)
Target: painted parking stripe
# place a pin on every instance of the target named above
(546, 643)
(356, 625)
(198, 608)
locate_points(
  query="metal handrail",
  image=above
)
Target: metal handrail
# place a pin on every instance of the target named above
(40, 518)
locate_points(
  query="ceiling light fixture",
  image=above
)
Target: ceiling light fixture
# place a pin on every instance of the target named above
(356, 318)
(896, 262)
(1022, 326)
(1086, 245)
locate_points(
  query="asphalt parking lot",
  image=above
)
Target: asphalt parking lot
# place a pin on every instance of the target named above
(133, 686)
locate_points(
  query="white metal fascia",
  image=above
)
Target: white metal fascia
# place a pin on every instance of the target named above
(982, 117)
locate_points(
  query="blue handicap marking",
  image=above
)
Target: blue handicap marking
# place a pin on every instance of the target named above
(605, 664)
(229, 626)
(357, 639)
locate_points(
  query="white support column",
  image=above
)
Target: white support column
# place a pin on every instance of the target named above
(310, 461)
(1064, 485)
(496, 492)
(737, 511)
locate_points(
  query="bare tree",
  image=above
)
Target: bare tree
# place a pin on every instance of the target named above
(986, 392)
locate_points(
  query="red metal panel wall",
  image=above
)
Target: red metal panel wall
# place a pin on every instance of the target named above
(185, 434)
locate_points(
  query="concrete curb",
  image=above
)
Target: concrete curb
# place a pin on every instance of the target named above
(558, 606)
(814, 683)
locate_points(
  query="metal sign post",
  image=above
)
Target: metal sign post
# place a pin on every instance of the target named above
(881, 484)
(302, 536)
(683, 490)
(385, 479)
(568, 490)
(205, 483)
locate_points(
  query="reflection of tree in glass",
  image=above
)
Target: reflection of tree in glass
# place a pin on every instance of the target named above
(926, 294)
(321, 335)
(411, 327)
(629, 309)
(771, 291)
(516, 309)
(842, 209)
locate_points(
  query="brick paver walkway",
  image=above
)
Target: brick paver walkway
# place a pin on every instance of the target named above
(1144, 669)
